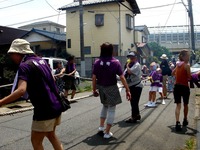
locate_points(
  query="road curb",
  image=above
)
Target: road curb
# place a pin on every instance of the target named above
(31, 107)
(197, 116)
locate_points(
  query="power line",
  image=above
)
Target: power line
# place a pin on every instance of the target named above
(16, 4)
(51, 6)
(35, 19)
(169, 15)
(3, 1)
(161, 6)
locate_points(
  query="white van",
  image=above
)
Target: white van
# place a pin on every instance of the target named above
(53, 61)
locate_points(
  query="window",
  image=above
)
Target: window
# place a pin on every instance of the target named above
(198, 36)
(180, 37)
(169, 37)
(87, 50)
(68, 43)
(175, 37)
(57, 30)
(186, 37)
(99, 19)
(151, 38)
(55, 64)
(157, 37)
(129, 22)
(163, 39)
(144, 39)
(44, 29)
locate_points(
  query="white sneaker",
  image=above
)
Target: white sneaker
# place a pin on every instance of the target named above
(101, 129)
(108, 135)
(153, 104)
(163, 102)
(147, 104)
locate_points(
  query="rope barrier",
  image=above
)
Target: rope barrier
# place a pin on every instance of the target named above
(6, 85)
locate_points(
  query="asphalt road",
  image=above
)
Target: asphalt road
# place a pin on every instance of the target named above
(79, 127)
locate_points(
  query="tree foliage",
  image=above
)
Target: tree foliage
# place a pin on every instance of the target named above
(158, 51)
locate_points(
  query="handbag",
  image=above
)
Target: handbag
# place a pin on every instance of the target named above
(65, 103)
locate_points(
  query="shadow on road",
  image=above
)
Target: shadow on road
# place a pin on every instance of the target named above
(96, 140)
(185, 130)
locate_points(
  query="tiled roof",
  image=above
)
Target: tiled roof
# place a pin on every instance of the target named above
(42, 23)
(87, 2)
(7, 34)
(143, 28)
(51, 35)
(133, 4)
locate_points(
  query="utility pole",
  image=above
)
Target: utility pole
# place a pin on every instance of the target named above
(192, 39)
(81, 39)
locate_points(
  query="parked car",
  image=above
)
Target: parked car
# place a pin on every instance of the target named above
(195, 68)
(52, 61)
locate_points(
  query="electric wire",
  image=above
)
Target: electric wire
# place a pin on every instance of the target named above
(3, 1)
(169, 16)
(16, 4)
(51, 6)
(65, 13)
(160, 6)
(35, 19)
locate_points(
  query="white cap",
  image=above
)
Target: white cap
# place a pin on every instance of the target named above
(131, 54)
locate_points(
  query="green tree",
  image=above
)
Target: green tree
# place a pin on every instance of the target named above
(197, 53)
(158, 50)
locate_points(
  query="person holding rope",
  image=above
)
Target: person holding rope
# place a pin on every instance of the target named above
(105, 70)
(47, 108)
(68, 75)
(133, 74)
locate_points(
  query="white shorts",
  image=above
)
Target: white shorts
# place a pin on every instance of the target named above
(156, 89)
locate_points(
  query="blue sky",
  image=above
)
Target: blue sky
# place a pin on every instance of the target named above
(17, 13)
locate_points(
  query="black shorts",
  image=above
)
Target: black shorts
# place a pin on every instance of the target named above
(70, 85)
(181, 91)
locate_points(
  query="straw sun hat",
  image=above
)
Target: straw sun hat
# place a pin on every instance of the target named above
(164, 56)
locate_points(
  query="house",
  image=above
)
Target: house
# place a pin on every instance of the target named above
(46, 43)
(104, 21)
(7, 35)
(46, 26)
(141, 40)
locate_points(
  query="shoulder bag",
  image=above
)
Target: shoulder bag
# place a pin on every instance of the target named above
(65, 103)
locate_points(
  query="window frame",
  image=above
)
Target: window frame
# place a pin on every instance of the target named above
(101, 22)
(129, 22)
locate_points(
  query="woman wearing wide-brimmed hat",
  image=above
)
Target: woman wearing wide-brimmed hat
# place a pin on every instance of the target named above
(35, 77)
(165, 72)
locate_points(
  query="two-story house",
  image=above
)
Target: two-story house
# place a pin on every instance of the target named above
(47, 38)
(45, 25)
(104, 21)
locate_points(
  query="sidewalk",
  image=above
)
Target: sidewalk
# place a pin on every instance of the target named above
(22, 106)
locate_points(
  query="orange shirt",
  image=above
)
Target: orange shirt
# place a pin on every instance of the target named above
(181, 75)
